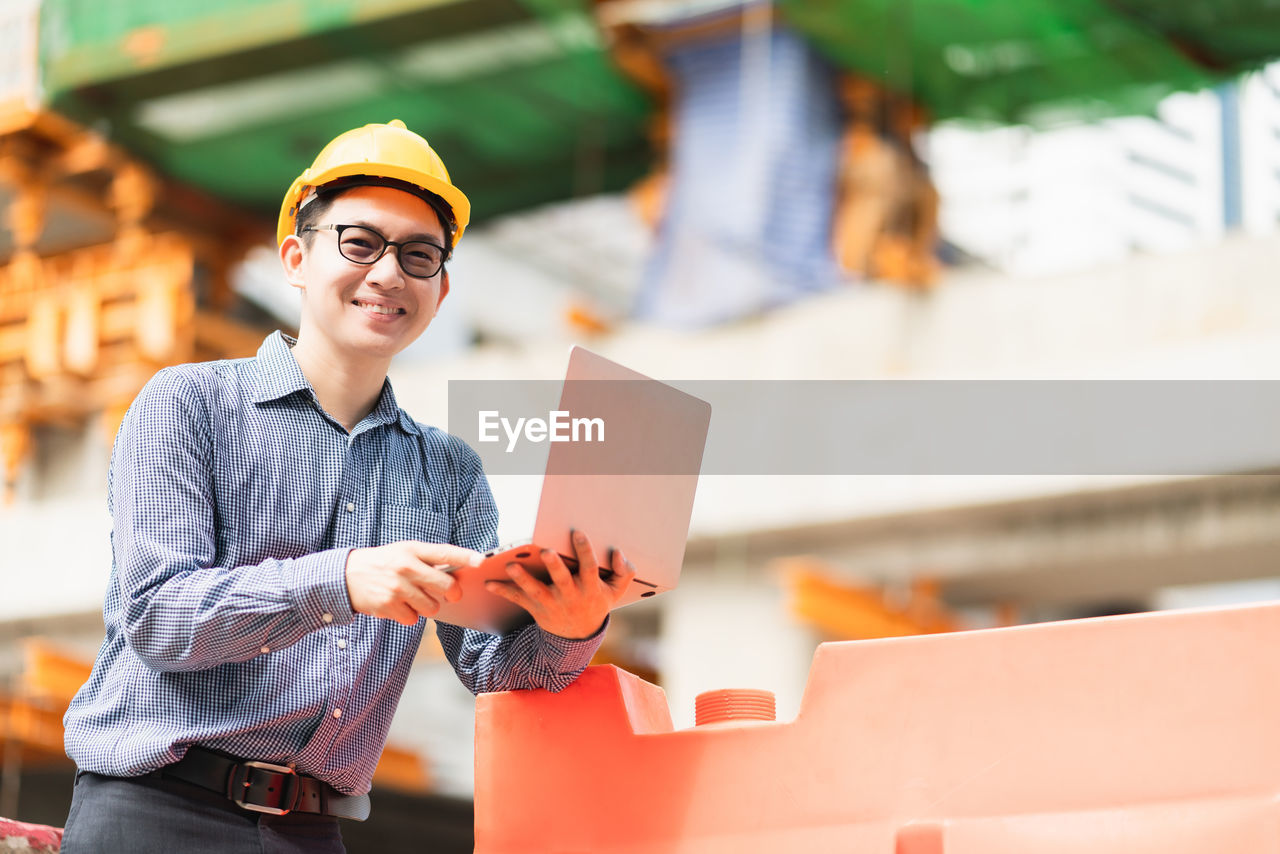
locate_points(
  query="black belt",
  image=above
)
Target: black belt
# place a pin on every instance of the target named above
(263, 786)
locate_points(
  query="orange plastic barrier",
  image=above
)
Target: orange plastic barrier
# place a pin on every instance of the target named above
(1154, 733)
(21, 838)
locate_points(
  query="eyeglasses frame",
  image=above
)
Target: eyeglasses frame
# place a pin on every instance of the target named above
(341, 227)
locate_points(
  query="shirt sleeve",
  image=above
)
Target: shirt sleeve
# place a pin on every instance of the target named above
(526, 658)
(179, 611)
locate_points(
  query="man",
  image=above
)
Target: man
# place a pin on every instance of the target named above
(279, 528)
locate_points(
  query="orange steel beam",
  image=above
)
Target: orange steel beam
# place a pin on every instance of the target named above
(51, 674)
(854, 612)
(50, 678)
(403, 769)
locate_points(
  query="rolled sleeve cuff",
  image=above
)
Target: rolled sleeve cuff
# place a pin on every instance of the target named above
(573, 654)
(319, 586)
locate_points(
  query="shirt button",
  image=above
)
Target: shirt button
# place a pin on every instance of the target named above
(342, 644)
(337, 713)
(266, 649)
(328, 618)
(351, 508)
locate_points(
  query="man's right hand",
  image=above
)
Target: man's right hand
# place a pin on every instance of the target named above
(406, 580)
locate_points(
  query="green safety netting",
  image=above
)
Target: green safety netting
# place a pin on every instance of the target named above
(237, 97)
(523, 102)
(1042, 60)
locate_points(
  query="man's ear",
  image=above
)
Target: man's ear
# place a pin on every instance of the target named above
(444, 287)
(291, 254)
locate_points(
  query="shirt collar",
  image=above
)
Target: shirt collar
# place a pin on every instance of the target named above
(407, 424)
(389, 412)
(279, 375)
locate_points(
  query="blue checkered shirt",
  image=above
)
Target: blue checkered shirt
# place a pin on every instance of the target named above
(235, 500)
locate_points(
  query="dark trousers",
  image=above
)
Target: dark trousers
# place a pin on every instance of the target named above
(155, 815)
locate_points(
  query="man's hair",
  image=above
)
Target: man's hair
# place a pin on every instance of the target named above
(313, 211)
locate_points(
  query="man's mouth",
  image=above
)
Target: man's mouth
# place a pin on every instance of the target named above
(377, 309)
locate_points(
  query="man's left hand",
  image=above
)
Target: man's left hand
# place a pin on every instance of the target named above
(571, 606)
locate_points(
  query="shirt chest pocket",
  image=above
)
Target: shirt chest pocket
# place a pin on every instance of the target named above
(399, 522)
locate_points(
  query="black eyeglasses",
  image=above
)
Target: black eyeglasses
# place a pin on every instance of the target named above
(362, 245)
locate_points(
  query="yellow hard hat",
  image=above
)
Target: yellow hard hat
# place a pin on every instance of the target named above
(377, 151)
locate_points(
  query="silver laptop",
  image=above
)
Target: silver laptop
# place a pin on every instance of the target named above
(632, 491)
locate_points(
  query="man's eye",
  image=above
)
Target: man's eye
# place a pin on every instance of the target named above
(424, 253)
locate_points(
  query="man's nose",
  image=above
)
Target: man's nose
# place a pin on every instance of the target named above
(386, 270)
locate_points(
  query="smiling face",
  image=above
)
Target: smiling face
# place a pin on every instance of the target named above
(365, 313)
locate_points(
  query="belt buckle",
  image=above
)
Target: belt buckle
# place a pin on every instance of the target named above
(240, 782)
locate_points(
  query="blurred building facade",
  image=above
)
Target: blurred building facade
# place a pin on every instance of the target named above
(1049, 201)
